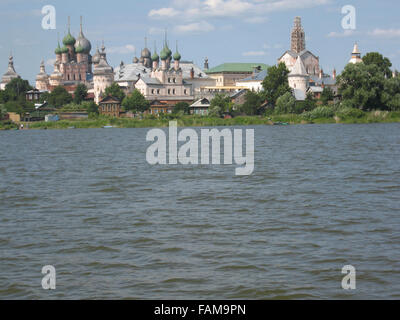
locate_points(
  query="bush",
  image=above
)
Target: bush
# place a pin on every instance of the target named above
(285, 104)
(350, 113)
(319, 112)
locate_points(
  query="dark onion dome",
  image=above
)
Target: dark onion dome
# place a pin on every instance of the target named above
(58, 49)
(69, 40)
(155, 56)
(168, 50)
(164, 54)
(146, 53)
(177, 55)
(64, 50)
(83, 42)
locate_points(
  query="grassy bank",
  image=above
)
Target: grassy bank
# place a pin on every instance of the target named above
(194, 121)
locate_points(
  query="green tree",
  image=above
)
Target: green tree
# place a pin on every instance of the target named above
(80, 93)
(361, 86)
(19, 106)
(327, 95)
(215, 111)
(276, 83)
(381, 62)
(391, 94)
(252, 104)
(285, 104)
(91, 107)
(115, 91)
(17, 88)
(219, 104)
(136, 102)
(58, 97)
(4, 96)
(3, 111)
(181, 107)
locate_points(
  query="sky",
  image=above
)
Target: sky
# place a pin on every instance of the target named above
(222, 30)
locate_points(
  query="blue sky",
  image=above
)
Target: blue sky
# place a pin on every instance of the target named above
(222, 30)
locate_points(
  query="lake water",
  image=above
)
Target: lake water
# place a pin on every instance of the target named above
(86, 201)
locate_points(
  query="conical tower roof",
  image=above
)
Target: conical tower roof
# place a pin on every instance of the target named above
(355, 49)
(299, 69)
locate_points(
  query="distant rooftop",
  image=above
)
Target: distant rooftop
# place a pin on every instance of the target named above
(236, 67)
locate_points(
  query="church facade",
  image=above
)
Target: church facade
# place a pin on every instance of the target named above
(73, 64)
(298, 49)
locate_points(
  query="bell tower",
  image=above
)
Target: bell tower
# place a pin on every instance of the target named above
(298, 39)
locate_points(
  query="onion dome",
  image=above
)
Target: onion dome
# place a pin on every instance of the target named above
(58, 49)
(64, 50)
(79, 49)
(177, 55)
(83, 42)
(103, 68)
(11, 73)
(96, 57)
(146, 53)
(164, 54)
(69, 40)
(155, 57)
(168, 50)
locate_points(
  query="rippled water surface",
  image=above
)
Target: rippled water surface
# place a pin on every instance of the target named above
(86, 201)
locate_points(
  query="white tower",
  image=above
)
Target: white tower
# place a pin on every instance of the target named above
(355, 55)
(103, 76)
(299, 79)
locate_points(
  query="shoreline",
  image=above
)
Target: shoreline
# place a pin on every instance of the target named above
(190, 121)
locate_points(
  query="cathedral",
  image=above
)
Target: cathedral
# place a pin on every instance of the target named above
(73, 64)
(298, 49)
(306, 75)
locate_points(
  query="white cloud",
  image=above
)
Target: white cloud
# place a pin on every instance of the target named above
(254, 53)
(344, 34)
(253, 11)
(196, 27)
(385, 33)
(163, 13)
(129, 48)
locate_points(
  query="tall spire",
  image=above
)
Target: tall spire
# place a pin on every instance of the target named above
(69, 24)
(298, 38)
(81, 24)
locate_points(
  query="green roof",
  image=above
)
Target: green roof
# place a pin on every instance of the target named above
(236, 67)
